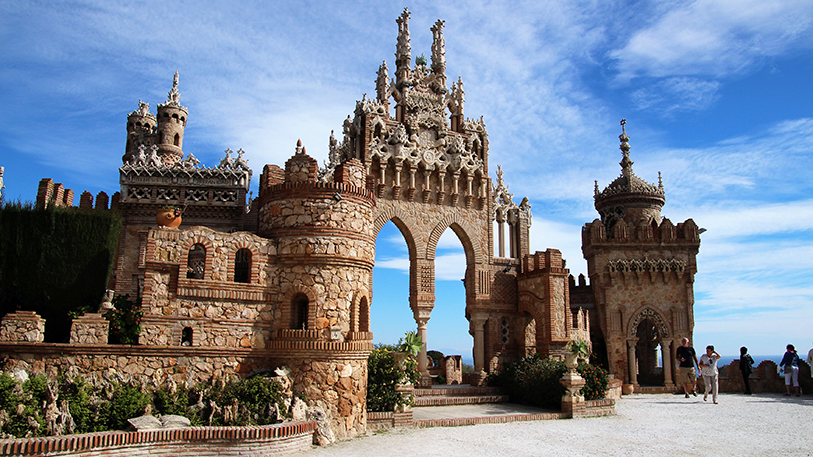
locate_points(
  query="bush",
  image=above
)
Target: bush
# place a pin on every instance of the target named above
(532, 381)
(384, 375)
(125, 320)
(596, 381)
(55, 262)
(127, 402)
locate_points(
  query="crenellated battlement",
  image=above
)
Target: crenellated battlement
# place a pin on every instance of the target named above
(548, 261)
(55, 194)
(596, 233)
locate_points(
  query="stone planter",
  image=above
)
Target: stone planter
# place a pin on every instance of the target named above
(168, 217)
(628, 389)
(571, 361)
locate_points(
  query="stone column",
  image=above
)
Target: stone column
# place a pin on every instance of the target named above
(479, 322)
(422, 353)
(22, 327)
(632, 362)
(572, 401)
(668, 363)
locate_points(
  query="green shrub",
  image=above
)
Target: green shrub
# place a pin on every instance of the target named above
(125, 320)
(383, 377)
(596, 381)
(254, 395)
(532, 381)
(127, 402)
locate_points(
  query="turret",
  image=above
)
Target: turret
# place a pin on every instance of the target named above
(140, 126)
(171, 122)
(629, 198)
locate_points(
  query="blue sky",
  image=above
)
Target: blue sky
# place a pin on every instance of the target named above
(716, 94)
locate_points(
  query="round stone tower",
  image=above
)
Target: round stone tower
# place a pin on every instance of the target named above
(325, 249)
(140, 125)
(171, 122)
(629, 198)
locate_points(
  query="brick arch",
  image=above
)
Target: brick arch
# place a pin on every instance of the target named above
(462, 229)
(285, 304)
(360, 315)
(648, 312)
(236, 245)
(187, 246)
(403, 222)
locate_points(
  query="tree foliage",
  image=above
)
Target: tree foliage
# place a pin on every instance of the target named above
(55, 262)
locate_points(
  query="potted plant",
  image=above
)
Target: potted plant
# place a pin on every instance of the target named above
(169, 216)
(577, 349)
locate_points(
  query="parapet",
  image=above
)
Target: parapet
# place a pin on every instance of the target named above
(51, 194)
(550, 261)
(666, 232)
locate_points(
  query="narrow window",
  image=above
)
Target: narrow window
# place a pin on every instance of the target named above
(242, 265)
(299, 312)
(177, 139)
(186, 336)
(196, 265)
(364, 315)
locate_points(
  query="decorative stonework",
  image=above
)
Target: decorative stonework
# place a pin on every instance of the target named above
(90, 328)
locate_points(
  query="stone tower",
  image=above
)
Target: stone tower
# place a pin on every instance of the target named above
(171, 123)
(641, 268)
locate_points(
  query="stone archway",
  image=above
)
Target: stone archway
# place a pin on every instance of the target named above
(648, 334)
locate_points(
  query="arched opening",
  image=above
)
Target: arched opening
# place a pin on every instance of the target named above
(448, 330)
(390, 313)
(364, 315)
(177, 140)
(186, 336)
(196, 263)
(530, 334)
(650, 370)
(299, 312)
(242, 265)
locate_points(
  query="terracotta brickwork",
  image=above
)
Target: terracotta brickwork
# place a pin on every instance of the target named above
(192, 441)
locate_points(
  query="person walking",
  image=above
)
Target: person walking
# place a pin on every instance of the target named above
(790, 365)
(810, 361)
(687, 359)
(746, 367)
(708, 368)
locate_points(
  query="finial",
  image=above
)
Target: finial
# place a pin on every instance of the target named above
(595, 190)
(438, 50)
(626, 163)
(660, 181)
(403, 49)
(299, 148)
(623, 129)
(174, 96)
(299, 142)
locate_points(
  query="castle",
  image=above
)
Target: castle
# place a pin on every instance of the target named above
(286, 279)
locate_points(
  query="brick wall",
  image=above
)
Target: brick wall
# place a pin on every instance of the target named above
(192, 441)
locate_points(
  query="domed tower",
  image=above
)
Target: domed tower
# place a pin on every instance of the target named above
(629, 197)
(171, 122)
(140, 127)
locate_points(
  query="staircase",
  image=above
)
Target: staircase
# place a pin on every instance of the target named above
(458, 395)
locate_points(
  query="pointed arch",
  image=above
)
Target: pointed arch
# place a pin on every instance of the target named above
(403, 222)
(648, 312)
(463, 231)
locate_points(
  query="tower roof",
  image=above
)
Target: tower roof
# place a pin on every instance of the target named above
(628, 190)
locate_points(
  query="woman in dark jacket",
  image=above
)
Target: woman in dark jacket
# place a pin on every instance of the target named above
(746, 366)
(790, 365)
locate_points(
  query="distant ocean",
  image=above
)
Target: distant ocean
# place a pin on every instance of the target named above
(726, 360)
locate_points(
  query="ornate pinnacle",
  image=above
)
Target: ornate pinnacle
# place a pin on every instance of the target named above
(626, 163)
(660, 181)
(381, 83)
(174, 96)
(438, 49)
(299, 148)
(403, 50)
(595, 190)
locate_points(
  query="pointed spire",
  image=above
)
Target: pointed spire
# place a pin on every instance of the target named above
(626, 163)
(660, 181)
(299, 148)
(439, 51)
(382, 83)
(174, 96)
(403, 50)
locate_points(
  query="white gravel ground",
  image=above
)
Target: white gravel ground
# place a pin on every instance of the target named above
(646, 425)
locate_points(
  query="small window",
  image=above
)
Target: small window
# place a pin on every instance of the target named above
(196, 264)
(299, 312)
(186, 336)
(177, 140)
(242, 265)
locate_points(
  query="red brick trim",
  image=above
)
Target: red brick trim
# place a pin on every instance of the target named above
(198, 441)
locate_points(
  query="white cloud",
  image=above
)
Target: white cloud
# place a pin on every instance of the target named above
(715, 38)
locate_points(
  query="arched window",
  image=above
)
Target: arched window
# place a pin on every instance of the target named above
(242, 266)
(196, 264)
(364, 315)
(186, 336)
(177, 139)
(299, 312)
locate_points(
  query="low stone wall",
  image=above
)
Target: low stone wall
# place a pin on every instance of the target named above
(598, 408)
(254, 441)
(764, 379)
(388, 419)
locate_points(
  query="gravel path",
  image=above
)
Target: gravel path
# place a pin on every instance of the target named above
(663, 424)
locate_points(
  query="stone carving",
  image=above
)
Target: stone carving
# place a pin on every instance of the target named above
(226, 162)
(646, 265)
(654, 317)
(240, 163)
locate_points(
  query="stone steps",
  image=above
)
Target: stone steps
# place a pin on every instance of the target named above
(453, 400)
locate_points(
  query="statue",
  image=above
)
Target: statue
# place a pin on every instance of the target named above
(240, 163)
(226, 162)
